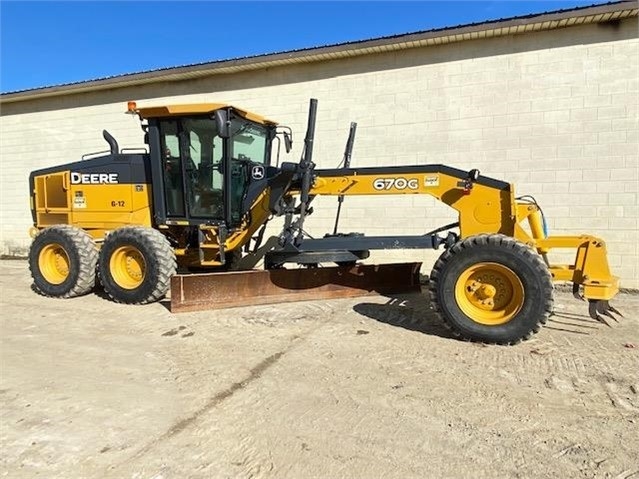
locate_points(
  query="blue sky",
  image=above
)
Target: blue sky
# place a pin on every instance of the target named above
(49, 43)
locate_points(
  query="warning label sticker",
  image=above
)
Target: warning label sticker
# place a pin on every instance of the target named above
(79, 202)
(431, 181)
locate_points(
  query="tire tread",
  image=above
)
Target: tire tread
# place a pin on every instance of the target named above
(498, 240)
(161, 252)
(88, 259)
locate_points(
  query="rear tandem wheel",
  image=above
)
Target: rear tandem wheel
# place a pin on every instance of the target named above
(492, 289)
(62, 262)
(136, 265)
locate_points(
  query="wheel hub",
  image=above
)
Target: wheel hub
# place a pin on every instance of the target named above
(489, 293)
(54, 263)
(128, 267)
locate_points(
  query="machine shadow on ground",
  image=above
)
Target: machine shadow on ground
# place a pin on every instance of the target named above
(407, 311)
(573, 323)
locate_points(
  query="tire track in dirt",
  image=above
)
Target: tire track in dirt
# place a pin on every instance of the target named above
(188, 421)
(263, 416)
(244, 455)
(219, 336)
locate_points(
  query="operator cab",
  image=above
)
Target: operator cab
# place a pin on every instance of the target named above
(204, 158)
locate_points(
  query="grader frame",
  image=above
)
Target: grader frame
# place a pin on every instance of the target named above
(492, 283)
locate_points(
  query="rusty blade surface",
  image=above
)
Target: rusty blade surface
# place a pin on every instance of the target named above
(194, 292)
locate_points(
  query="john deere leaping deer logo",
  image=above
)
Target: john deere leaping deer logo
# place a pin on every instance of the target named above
(257, 172)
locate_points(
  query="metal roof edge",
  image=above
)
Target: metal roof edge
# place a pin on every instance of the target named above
(510, 26)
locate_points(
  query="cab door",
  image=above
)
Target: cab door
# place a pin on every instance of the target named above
(192, 164)
(171, 168)
(249, 158)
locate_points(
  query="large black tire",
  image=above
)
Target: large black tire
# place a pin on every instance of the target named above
(136, 265)
(62, 262)
(492, 289)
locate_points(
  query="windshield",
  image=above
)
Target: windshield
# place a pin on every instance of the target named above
(248, 141)
(248, 148)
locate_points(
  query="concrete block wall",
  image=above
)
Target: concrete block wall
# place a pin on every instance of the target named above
(554, 112)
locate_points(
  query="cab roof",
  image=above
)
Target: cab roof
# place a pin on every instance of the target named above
(195, 109)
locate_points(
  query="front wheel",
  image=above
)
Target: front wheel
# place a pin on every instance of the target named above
(491, 288)
(136, 265)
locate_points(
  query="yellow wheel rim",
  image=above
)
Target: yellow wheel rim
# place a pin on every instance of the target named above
(489, 293)
(53, 262)
(128, 267)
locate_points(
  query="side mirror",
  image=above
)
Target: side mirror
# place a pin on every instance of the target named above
(288, 142)
(222, 123)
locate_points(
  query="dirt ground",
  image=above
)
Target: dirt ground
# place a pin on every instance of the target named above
(351, 388)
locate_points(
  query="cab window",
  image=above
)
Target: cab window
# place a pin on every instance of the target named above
(248, 148)
(203, 168)
(172, 168)
(248, 141)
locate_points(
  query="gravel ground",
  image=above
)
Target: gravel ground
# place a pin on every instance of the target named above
(353, 388)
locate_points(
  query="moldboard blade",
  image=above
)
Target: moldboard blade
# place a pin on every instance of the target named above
(195, 292)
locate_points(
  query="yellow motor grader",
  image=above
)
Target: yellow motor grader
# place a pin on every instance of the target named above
(197, 199)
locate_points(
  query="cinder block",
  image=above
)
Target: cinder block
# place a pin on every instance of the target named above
(608, 186)
(597, 150)
(548, 129)
(561, 104)
(519, 107)
(581, 224)
(619, 85)
(555, 187)
(597, 126)
(610, 211)
(584, 139)
(624, 199)
(557, 116)
(624, 223)
(542, 177)
(590, 199)
(629, 100)
(624, 174)
(630, 187)
(611, 112)
(580, 211)
(631, 211)
(598, 100)
(624, 149)
(544, 152)
(533, 118)
(570, 175)
(615, 136)
(583, 114)
(570, 127)
(584, 187)
(600, 51)
(518, 154)
(554, 141)
(569, 151)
